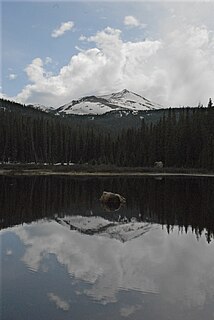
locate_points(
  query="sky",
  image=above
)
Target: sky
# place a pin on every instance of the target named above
(54, 52)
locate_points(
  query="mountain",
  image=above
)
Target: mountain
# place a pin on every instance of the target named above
(124, 100)
(30, 110)
(119, 104)
(124, 109)
(121, 230)
(41, 107)
(111, 117)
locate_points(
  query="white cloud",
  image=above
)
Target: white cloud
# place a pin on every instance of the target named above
(82, 38)
(6, 97)
(79, 49)
(35, 70)
(48, 60)
(131, 21)
(65, 26)
(12, 76)
(60, 304)
(177, 69)
(104, 68)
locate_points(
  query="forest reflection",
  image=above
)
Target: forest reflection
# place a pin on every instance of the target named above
(184, 202)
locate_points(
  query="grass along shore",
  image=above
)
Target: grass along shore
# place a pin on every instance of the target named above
(98, 170)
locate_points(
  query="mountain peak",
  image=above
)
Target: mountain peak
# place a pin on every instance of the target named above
(125, 91)
(123, 230)
(123, 100)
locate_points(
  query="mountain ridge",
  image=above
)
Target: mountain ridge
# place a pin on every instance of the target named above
(115, 119)
(122, 231)
(124, 100)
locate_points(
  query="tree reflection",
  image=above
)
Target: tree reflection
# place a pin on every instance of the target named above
(188, 203)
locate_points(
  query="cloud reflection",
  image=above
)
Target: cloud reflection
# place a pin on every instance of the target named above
(176, 267)
(61, 304)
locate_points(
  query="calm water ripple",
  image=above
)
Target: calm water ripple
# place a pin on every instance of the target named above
(64, 256)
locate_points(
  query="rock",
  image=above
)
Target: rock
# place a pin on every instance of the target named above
(112, 201)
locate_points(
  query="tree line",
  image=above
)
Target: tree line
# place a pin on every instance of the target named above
(166, 202)
(183, 139)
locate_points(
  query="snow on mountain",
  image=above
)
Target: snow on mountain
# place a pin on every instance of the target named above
(120, 230)
(131, 101)
(97, 105)
(41, 107)
(86, 106)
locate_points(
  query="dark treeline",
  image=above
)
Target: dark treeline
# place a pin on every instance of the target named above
(179, 139)
(187, 203)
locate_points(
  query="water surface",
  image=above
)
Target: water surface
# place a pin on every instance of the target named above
(64, 256)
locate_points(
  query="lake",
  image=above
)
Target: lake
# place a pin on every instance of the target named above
(65, 256)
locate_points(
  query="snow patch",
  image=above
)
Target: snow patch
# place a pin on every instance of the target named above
(121, 101)
(120, 230)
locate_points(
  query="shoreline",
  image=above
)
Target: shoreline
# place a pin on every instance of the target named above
(39, 172)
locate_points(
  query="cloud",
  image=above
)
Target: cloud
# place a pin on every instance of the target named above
(12, 76)
(9, 252)
(82, 38)
(176, 69)
(108, 66)
(189, 64)
(48, 60)
(35, 70)
(131, 21)
(6, 97)
(65, 26)
(60, 304)
(128, 310)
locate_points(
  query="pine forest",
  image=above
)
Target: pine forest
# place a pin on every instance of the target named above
(181, 138)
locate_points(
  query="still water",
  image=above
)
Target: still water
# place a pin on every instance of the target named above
(64, 256)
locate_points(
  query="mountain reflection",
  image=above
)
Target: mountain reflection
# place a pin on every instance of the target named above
(155, 264)
(184, 202)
